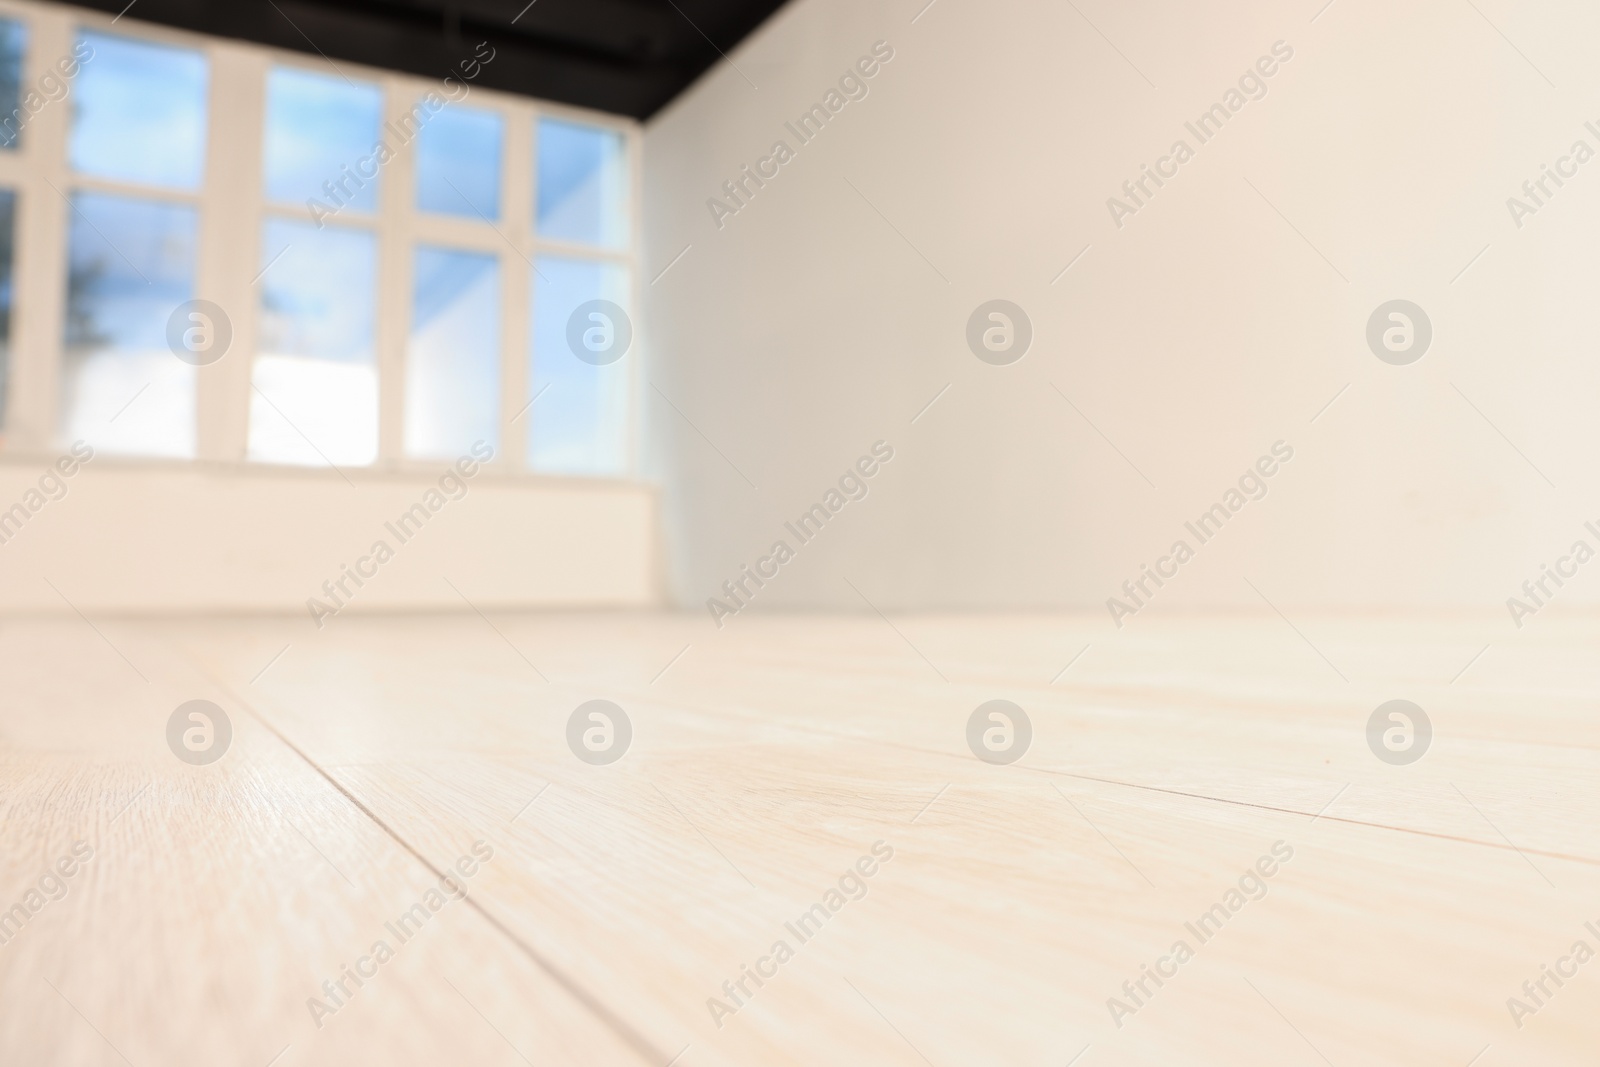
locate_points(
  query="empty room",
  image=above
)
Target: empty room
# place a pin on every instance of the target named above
(716, 533)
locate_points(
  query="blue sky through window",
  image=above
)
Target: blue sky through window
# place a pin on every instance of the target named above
(139, 113)
(316, 125)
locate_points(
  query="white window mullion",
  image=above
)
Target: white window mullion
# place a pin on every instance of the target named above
(230, 236)
(635, 360)
(516, 205)
(396, 195)
(40, 270)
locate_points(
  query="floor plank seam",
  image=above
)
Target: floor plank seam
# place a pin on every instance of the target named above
(635, 1040)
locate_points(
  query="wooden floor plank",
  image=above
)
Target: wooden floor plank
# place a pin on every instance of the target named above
(1023, 897)
(767, 761)
(219, 898)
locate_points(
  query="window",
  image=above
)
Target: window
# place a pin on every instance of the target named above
(138, 124)
(582, 182)
(314, 386)
(130, 262)
(453, 358)
(8, 215)
(318, 128)
(13, 42)
(140, 113)
(581, 425)
(315, 382)
(580, 432)
(399, 267)
(458, 164)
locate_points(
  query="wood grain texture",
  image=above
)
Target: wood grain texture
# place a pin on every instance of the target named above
(766, 760)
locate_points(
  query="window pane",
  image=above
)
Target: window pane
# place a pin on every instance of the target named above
(583, 184)
(321, 131)
(315, 395)
(13, 39)
(130, 263)
(139, 112)
(453, 358)
(8, 211)
(458, 163)
(578, 426)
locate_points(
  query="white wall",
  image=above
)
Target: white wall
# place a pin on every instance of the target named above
(1195, 336)
(151, 538)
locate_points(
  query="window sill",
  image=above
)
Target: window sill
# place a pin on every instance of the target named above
(384, 473)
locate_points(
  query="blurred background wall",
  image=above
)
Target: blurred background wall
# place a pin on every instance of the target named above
(136, 539)
(1222, 317)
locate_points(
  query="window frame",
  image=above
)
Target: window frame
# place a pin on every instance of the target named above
(233, 208)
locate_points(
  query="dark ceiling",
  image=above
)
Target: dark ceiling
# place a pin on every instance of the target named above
(628, 57)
